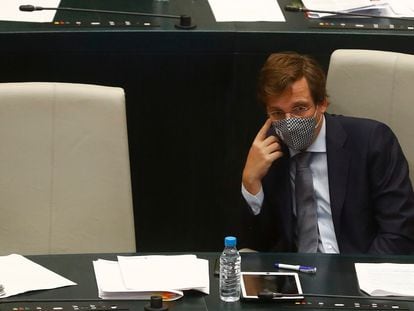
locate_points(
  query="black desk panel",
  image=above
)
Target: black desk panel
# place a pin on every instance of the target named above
(84, 295)
(335, 276)
(191, 104)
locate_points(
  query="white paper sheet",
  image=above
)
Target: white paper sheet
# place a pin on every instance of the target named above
(246, 10)
(19, 275)
(178, 272)
(9, 11)
(111, 285)
(386, 279)
(403, 8)
(336, 5)
(391, 8)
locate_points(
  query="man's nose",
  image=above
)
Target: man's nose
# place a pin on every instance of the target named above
(288, 115)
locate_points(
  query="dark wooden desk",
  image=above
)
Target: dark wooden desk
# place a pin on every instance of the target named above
(191, 102)
(335, 276)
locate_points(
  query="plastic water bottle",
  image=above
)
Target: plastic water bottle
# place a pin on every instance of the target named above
(230, 262)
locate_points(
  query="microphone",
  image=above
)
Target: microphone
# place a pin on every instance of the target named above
(295, 8)
(269, 295)
(184, 20)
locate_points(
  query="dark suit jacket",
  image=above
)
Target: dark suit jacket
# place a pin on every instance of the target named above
(371, 195)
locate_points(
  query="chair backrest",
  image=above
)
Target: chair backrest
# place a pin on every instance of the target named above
(65, 182)
(377, 85)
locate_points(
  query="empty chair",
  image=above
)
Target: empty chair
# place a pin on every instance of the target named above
(65, 182)
(377, 85)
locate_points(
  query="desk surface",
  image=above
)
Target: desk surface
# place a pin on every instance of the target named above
(199, 10)
(227, 35)
(335, 276)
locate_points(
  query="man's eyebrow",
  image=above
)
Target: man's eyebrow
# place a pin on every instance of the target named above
(301, 102)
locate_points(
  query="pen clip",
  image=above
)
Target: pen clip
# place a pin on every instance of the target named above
(307, 269)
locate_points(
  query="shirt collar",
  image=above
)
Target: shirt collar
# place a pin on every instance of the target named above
(319, 145)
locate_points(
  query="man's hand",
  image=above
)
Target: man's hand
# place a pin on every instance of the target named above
(263, 152)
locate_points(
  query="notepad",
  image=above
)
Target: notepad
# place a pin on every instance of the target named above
(140, 277)
(386, 279)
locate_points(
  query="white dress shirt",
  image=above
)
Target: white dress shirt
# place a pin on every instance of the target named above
(319, 167)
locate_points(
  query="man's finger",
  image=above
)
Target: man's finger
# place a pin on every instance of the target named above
(271, 140)
(275, 155)
(273, 147)
(262, 134)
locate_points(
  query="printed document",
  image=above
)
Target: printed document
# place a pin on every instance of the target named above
(390, 8)
(386, 279)
(140, 277)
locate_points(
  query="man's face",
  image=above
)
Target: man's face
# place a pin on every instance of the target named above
(296, 101)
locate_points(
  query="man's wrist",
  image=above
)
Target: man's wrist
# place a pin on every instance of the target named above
(253, 187)
(254, 201)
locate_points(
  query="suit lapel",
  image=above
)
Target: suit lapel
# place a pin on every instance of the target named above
(338, 165)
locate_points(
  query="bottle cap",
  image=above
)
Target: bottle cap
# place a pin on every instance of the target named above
(230, 241)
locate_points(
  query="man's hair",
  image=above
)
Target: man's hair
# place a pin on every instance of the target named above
(281, 70)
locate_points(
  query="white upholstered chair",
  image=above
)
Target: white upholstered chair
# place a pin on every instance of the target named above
(377, 85)
(64, 169)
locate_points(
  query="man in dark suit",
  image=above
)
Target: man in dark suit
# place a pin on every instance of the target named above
(362, 193)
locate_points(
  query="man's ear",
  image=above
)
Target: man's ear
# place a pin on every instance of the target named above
(323, 105)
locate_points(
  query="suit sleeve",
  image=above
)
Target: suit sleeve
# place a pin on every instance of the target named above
(271, 229)
(392, 194)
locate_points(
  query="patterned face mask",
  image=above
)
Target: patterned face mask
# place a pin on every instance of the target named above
(296, 133)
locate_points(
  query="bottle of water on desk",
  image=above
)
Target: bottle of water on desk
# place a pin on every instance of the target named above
(230, 261)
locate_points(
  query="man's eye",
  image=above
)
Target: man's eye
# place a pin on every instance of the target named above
(277, 113)
(300, 109)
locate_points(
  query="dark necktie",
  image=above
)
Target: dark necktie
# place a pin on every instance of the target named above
(307, 220)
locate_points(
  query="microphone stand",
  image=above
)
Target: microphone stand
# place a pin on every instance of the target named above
(184, 20)
(294, 8)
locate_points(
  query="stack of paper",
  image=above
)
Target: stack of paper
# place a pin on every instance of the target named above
(385, 8)
(140, 277)
(19, 275)
(386, 279)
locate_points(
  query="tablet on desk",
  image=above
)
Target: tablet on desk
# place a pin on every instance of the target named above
(271, 285)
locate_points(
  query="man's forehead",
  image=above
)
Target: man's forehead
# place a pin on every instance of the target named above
(296, 93)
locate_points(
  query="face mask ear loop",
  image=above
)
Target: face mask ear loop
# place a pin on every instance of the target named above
(320, 119)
